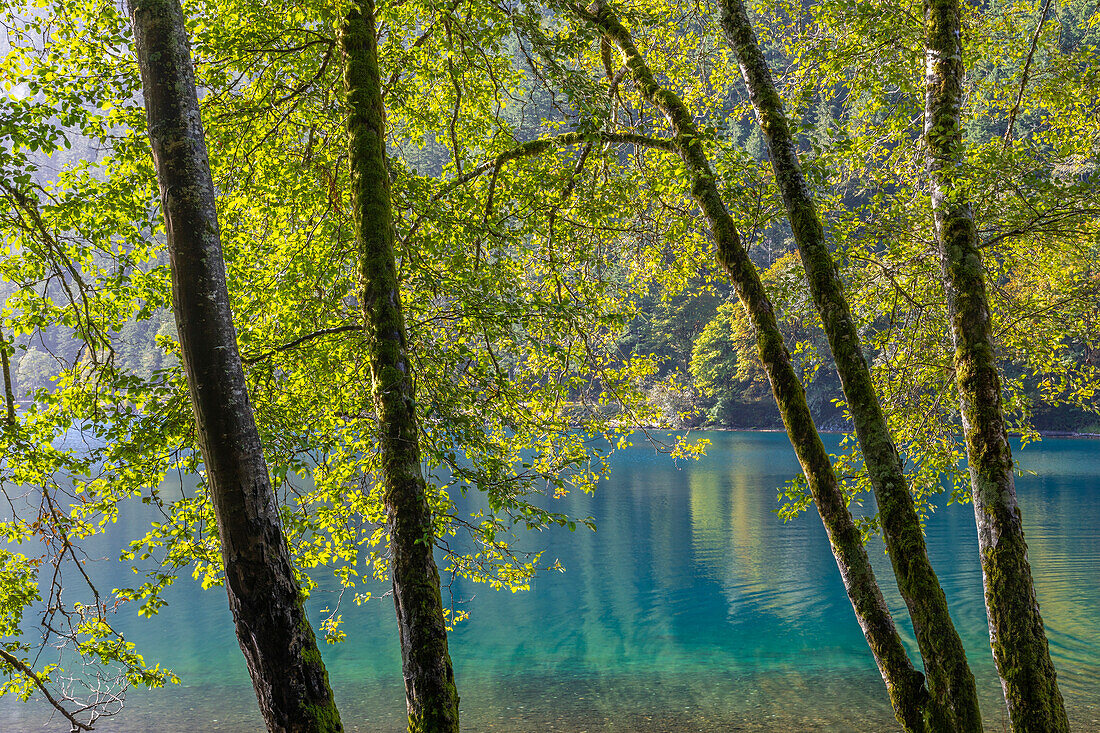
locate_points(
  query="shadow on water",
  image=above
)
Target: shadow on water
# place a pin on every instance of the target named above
(692, 608)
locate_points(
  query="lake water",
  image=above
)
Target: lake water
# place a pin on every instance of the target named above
(692, 608)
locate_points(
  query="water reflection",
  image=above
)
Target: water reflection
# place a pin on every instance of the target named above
(691, 608)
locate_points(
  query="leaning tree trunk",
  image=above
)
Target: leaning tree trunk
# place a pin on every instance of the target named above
(950, 682)
(1015, 626)
(429, 680)
(264, 596)
(904, 683)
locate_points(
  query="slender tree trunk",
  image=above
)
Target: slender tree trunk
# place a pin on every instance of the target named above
(951, 684)
(429, 680)
(904, 683)
(9, 395)
(275, 636)
(1015, 627)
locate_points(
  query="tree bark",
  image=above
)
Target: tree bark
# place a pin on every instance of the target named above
(1015, 627)
(904, 683)
(9, 395)
(954, 703)
(430, 691)
(278, 643)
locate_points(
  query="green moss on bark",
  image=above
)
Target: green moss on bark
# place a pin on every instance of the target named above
(279, 647)
(904, 683)
(430, 691)
(1016, 632)
(954, 704)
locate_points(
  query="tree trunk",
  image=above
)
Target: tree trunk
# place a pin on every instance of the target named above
(9, 395)
(1015, 626)
(278, 643)
(904, 683)
(429, 680)
(950, 682)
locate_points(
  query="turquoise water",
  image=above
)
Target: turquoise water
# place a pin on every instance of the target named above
(692, 608)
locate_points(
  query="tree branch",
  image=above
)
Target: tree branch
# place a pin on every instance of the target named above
(539, 146)
(61, 263)
(1027, 71)
(301, 340)
(30, 673)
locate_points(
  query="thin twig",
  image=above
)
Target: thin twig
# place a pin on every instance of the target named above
(1027, 72)
(30, 673)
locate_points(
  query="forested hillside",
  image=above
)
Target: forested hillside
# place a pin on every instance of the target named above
(698, 381)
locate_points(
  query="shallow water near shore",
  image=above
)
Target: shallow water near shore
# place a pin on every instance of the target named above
(692, 608)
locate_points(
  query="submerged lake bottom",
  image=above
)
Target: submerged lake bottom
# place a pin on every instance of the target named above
(611, 704)
(691, 608)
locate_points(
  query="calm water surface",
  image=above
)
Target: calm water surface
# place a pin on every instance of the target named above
(692, 608)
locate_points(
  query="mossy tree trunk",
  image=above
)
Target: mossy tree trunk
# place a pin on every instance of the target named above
(1015, 627)
(904, 683)
(278, 643)
(950, 681)
(429, 680)
(9, 394)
